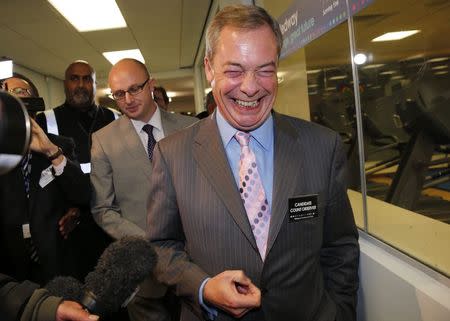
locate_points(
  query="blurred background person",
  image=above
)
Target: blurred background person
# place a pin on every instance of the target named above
(210, 106)
(20, 86)
(161, 98)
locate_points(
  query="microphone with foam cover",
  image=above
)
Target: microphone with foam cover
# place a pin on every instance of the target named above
(121, 268)
(66, 287)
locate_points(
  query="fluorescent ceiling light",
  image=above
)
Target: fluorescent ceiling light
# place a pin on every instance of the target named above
(397, 77)
(396, 35)
(439, 67)
(414, 57)
(388, 72)
(337, 77)
(313, 71)
(441, 73)
(90, 15)
(171, 94)
(207, 90)
(6, 69)
(437, 59)
(373, 66)
(115, 56)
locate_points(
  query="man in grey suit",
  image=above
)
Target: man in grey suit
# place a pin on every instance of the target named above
(121, 162)
(249, 207)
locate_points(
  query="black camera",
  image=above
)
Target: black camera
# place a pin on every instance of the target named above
(33, 104)
(15, 131)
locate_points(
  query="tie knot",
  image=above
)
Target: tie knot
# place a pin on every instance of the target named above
(242, 138)
(148, 129)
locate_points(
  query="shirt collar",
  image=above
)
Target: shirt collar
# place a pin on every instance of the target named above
(155, 121)
(263, 134)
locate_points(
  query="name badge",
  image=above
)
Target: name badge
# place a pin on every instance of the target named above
(303, 207)
(26, 231)
(46, 177)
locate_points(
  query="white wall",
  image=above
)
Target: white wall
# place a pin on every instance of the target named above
(393, 288)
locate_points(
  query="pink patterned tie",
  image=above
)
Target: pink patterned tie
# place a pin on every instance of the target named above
(252, 194)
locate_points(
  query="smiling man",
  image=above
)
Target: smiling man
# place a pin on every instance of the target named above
(121, 159)
(249, 207)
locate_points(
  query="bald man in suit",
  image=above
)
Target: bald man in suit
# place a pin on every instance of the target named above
(248, 207)
(121, 165)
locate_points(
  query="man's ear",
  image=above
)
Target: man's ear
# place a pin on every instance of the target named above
(209, 72)
(151, 86)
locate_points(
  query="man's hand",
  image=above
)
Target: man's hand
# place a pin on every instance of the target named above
(39, 140)
(40, 143)
(72, 311)
(233, 292)
(69, 221)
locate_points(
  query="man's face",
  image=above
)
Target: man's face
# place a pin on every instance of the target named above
(158, 96)
(80, 86)
(126, 75)
(18, 87)
(243, 75)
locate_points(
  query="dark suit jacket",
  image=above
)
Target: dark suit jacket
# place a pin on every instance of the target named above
(87, 241)
(197, 217)
(42, 210)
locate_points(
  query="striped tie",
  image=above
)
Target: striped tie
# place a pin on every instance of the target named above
(151, 140)
(26, 171)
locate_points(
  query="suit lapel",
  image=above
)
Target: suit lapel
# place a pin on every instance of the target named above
(210, 155)
(133, 145)
(288, 168)
(169, 125)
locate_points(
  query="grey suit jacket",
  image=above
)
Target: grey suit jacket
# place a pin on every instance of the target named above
(197, 218)
(120, 175)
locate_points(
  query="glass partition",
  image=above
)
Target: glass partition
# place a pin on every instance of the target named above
(405, 100)
(405, 106)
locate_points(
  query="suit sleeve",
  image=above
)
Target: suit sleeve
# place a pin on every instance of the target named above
(164, 229)
(41, 306)
(14, 297)
(24, 301)
(340, 251)
(105, 210)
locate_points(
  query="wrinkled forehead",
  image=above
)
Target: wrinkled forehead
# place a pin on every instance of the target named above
(17, 83)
